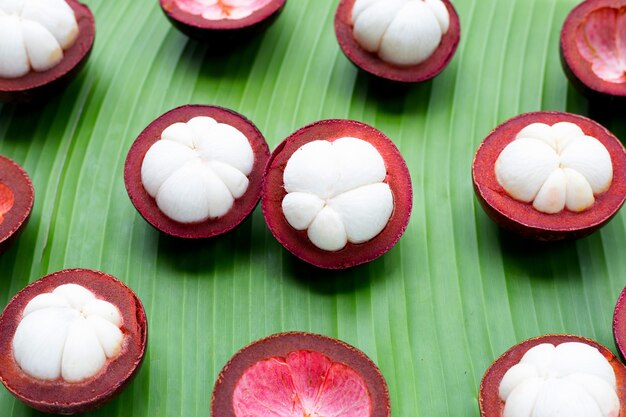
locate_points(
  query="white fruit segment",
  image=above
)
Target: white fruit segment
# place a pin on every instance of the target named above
(572, 379)
(34, 34)
(198, 169)
(336, 191)
(222, 9)
(67, 334)
(401, 32)
(554, 167)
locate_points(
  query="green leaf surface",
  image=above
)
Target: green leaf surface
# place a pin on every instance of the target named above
(433, 313)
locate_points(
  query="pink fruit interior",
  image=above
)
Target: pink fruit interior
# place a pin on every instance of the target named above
(222, 9)
(601, 40)
(7, 200)
(304, 384)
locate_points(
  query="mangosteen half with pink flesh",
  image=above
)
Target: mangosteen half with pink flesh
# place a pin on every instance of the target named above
(71, 341)
(221, 20)
(300, 374)
(196, 171)
(592, 48)
(407, 41)
(550, 175)
(43, 44)
(16, 200)
(554, 375)
(337, 193)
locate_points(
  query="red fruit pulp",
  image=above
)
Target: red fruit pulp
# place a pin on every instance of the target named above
(7, 200)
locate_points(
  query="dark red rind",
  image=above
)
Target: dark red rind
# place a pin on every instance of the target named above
(58, 396)
(522, 218)
(576, 67)
(196, 27)
(280, 345)
(372, 64)
(146, 205)
(619, 324)
(15, 178)
(39, 84)
(489, 400)
(297, 242)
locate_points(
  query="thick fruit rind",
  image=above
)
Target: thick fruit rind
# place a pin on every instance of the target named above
(296, 241)
(146, 205)
(371, 63)
(619, 324)
(280, 345)
(521, 218)
(17, 180)
(196, 27)
(577, 69)
(489, 400)
(60, 397)
(40, 84)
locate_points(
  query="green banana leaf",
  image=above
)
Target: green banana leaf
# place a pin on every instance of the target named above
(433, 313)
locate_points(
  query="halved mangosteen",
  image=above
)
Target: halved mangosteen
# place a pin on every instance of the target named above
(554, 375)
(550, 175)
(619, 324)
(221, 19)
(71, 341)
(405, 40)
(43, 44)
(592, 47)
(337, 193)
(16, 200)
(300, 374)
(196, 171)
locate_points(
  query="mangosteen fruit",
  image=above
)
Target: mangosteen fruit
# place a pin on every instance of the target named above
(16, 200)
(43, 44)
(337, 193)
(619, 324)
(300, 374)
(592, 47)
(401, 40)
(196, 171)
(71, 341)
(221, 20)
(554, 375)
(550, 175)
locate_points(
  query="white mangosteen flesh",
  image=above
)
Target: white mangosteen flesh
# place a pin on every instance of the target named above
(222, 9)
(34, 34)
(555, 167)
(67, 333)
(400, 32)
(304, 384)
(197, 169)
(572, 379)
(336, 192)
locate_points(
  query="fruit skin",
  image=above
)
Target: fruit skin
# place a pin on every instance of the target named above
(146, 205)
(60, 397)
(619, 324)
(221, 33)
(577, 69)
(279, 345)
(297, 242)
(489, 400)
(14, 176)
(41, 84)
(371, 63)
(522, 218)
